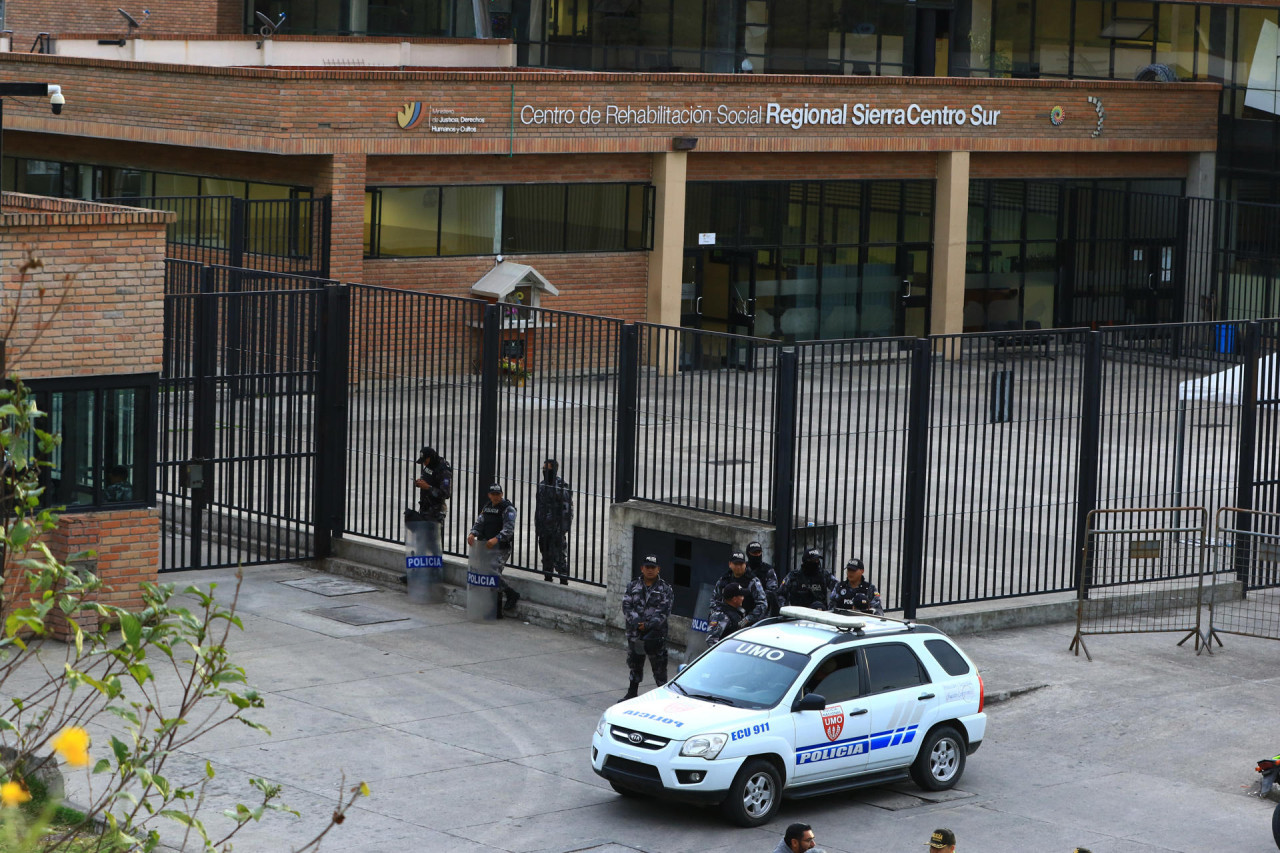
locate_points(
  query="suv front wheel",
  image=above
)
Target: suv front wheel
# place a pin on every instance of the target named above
(755, 794)
(940, 762)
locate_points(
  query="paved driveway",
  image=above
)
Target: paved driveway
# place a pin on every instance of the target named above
(475, 737)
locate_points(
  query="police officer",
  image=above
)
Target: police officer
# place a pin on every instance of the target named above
(808, 586)
(552, 515)
(764, 573)
(855, 592)
(435, 487)
(495, 526)
(646, 607)
(727, 615)
(753, 598)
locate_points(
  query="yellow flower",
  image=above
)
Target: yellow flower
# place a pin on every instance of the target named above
(13, 794)
(72, 743)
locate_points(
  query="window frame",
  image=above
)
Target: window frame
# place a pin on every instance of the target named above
(373, 192)
(922, 671)
(146, 388)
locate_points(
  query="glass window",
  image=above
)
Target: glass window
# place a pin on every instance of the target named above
(130, 183)
(947, 656)
(468, 220)
(836, 679)
(408, 221)
(1012, 44)
(842, 212)
(177, 185)
(1053, 39)
(40, 177)
(107, 452)
(747, 675)
(1092, 56)
(892, 666)
(595, 217)
(533, 218)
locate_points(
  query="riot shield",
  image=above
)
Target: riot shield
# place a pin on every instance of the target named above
(484, 570)
(424, 562)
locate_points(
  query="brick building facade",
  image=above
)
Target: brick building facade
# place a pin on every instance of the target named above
(87, 283)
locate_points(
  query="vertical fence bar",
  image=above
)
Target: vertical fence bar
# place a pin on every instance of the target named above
(784, 456)
(1087, 455)
(624, 473)
(487, 450)
(332, 345)
(915, 484)
(1252, 334)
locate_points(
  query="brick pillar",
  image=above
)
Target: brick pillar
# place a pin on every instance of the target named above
(666, 263)
(343, 178)
(950, 242)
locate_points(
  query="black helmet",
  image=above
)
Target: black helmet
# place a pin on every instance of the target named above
(812, 555)
(854, 565)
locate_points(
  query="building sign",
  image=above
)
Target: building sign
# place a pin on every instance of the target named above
(795, 117)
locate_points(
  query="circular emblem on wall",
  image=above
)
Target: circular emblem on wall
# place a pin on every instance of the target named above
(1056, 115)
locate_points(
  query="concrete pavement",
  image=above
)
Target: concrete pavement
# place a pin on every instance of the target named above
(475, 737)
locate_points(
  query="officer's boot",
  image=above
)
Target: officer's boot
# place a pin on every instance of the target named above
(660, 676)
(632, 691)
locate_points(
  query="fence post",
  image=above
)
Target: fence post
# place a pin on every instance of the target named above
(487, 448)
(784, 457)
(236, 233)
(916, 477)
(204, 408)
(1251, 349)
(333, 325)
(1087, 453)
(326, 223)
(624, 471)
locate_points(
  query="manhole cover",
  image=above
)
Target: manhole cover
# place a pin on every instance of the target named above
(357, 614)
(330, 587)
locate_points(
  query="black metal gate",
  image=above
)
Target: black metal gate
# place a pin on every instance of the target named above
(239, 416)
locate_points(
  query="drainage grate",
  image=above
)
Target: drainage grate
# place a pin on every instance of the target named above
(357, 614)
(329, 587)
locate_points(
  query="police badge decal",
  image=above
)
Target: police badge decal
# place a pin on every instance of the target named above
(833, 722)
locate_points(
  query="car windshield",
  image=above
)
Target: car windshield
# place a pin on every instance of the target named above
(742, 674)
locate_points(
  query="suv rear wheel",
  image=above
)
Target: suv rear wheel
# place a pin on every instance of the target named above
(755, 794)
(940, 762)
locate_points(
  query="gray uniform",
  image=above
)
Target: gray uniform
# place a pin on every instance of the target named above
(753, 596)
(650, 605)
(725, 619)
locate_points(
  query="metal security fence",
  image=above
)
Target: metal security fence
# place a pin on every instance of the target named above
(704, 421)
(239, 422)
(494, 391)
(960, 468)
(1142, 571)
(851, 454)
(1245, 595)
(1003, 443)
(288, 235)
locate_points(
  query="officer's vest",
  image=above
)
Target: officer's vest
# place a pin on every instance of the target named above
(491, 518)
(807, 592)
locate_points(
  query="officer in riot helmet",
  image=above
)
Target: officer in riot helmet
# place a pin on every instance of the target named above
(727, 615)
(808, 586)
(764, 573)
(855, 592)
(753, 597)
(435, 486)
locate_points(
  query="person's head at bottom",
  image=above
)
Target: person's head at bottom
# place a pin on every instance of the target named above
(799, 837)
(944, 840)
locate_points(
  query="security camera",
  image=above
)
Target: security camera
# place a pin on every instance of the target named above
(56, 100)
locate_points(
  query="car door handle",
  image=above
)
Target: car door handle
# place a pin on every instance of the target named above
(857, 712)
(924, 696)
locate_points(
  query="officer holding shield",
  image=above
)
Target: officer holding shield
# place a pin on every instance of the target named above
(495, 529)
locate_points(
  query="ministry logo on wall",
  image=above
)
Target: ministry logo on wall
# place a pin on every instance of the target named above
(410, 114)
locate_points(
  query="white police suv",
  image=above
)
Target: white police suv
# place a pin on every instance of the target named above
(804, 704)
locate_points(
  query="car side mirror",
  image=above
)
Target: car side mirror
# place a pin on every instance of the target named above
(680, 668)
(810, 702)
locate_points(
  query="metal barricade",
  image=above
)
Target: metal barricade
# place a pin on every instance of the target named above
(1244, 587)
(1142, 571)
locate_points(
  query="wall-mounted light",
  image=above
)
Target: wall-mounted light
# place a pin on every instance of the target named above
(684, 143)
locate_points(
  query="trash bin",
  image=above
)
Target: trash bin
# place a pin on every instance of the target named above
(1226, 334)
(424, 562)
(484, 570)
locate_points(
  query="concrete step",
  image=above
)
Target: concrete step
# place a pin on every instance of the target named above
(531, 611)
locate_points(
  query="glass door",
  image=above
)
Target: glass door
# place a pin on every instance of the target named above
(915, 268)
(1151, 295)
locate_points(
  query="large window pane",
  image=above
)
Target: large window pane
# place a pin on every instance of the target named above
(468, 220)
(842, 212)
(1012, 38)
(1092, 57)
(595, 217)
(841, 294)
(533, 218)
(408, 221)
(1053, 39)
(71, 414)
(886, 200)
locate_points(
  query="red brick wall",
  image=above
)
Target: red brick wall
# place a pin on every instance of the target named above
(195, 17)
(1078, 166)
(125, 546)
(326, 111)
(109, 264)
